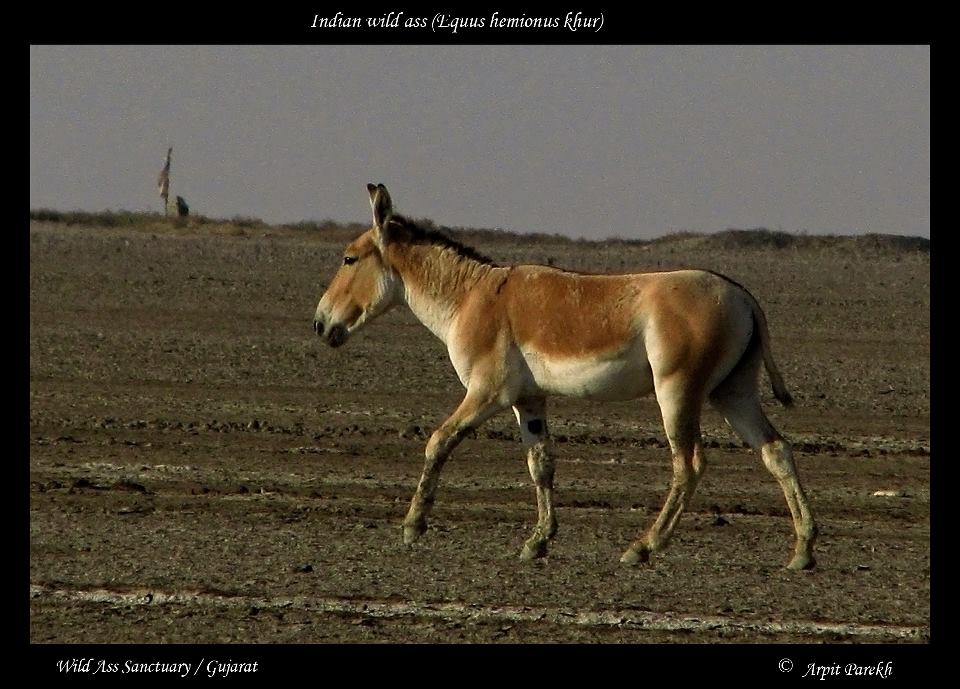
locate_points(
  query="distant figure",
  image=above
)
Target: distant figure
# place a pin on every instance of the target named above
(183, 210)
(163, 183)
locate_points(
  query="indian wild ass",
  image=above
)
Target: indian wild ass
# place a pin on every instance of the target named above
(516, 334)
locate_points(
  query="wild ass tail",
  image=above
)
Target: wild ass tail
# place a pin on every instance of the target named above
(761, 330)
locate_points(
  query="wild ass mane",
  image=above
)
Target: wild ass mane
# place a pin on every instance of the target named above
(405, 230)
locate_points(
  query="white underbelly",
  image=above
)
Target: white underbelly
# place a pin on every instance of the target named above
(600, 378)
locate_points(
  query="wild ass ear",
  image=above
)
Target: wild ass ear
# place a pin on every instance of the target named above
(381, 205)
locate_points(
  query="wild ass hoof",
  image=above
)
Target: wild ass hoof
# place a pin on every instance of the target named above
(634, 556)
(534, 549)
(801, 562)
(411, 532)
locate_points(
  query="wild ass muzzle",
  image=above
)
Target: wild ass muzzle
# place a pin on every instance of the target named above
(518, 334)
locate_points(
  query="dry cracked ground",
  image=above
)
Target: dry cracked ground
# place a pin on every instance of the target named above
(204, 470)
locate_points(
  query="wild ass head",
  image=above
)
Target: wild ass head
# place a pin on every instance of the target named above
(365, 286)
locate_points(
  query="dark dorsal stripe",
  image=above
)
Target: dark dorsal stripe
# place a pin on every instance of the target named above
(729, 279)
(403, 229)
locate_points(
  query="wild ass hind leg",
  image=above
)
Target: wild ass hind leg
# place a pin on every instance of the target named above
(475, 408)
(531, 416)
(681, 421)
(743, 412)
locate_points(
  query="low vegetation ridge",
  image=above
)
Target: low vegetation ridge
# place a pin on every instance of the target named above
(731, 239)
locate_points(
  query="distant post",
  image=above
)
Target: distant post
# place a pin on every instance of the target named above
(163, 183)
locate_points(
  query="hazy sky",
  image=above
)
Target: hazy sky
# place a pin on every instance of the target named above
(593, 141)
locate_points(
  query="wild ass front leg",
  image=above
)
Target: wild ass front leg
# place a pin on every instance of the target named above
(474, 410)
(531, 416)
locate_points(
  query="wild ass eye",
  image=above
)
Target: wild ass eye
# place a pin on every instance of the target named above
(349, 260)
